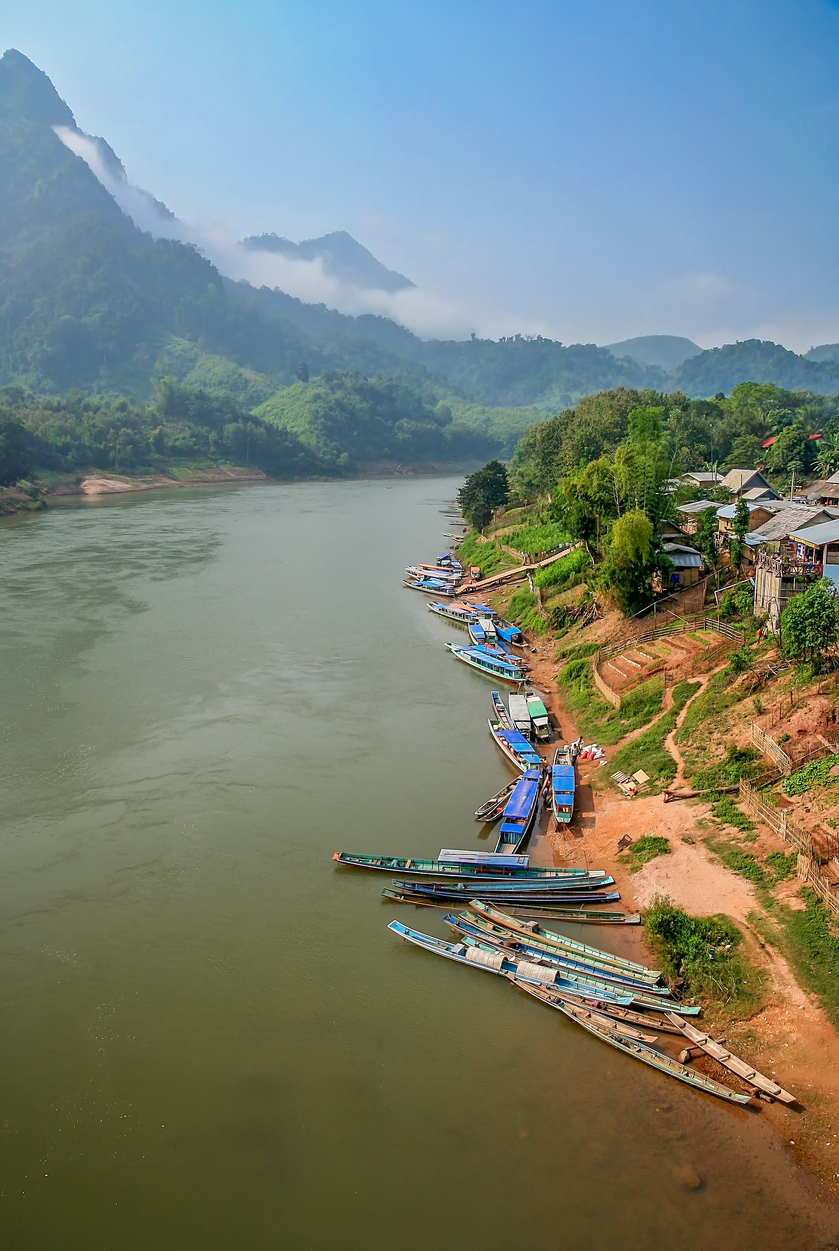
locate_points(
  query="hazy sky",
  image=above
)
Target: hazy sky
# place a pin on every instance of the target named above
(589, 170)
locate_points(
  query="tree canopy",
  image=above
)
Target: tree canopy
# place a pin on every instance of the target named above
(483, 492)
(809, 625)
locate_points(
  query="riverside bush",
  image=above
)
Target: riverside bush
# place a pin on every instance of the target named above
(643, 850)
(704, 951)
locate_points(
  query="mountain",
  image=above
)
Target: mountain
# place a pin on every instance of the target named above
(826, 352)
(342, 257)
(754, 360)
(667, 351)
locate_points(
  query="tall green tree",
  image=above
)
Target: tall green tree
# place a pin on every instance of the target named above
(482, 492)
(741, 529)
(809, 625)
(631, 561)
(15, 457)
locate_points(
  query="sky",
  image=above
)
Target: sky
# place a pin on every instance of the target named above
(588, 170)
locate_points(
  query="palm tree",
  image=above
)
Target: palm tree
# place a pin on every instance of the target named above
(827, 460)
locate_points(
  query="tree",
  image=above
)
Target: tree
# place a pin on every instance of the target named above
(15, 459)
(706, 532)
(809, 625)
(483, 492)
(741, 529)
(827, 461)
(631, 561)
(302, 372)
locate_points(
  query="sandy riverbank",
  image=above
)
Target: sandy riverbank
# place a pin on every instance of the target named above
(791, 1039)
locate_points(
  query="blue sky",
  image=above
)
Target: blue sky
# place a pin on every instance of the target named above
(589, 170)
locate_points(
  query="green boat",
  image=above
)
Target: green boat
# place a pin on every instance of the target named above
(473, 866)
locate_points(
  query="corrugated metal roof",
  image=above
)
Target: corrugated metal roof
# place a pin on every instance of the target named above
(521, 800)
(787, 521)
(697, 506)
(827, 532)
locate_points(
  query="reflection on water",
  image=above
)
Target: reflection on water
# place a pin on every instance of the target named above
(209, 1039)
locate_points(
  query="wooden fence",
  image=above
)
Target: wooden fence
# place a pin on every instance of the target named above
(768, 747)
(700, 622)
(778, 820)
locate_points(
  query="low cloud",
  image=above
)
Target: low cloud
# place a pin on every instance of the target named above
(415, 307)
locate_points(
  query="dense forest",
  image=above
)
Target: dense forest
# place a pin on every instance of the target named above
(94, 313)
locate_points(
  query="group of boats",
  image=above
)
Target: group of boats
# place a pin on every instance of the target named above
(622, 1002)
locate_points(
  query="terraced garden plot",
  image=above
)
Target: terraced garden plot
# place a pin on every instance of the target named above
(636, 664)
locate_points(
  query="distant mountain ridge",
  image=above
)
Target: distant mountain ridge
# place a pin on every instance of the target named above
(342, 257)
(667, 351)
(90, 301)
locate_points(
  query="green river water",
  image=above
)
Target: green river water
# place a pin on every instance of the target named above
(208, 1038)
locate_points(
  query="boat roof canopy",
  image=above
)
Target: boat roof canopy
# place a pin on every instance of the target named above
(492, 859)
(521, 801)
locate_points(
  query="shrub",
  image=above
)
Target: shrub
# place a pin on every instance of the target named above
(739, 762)
(783, 866)
(704, 951)
(645, 849)
(816, 773)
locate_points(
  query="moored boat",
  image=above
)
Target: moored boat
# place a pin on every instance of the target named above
(514, 746)
(536, 933)
(489, 961)
(519, 812)
(477, 633)
(456, 611)
(555, 911)
(491, 810)
(430, 586)
(467, 866)
(500, 708)
(563, 787)
(520, 892)
(520, 714)
(539, 717)
(484, 662)
(553, 997)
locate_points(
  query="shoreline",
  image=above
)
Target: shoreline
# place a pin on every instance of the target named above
(792, 1025)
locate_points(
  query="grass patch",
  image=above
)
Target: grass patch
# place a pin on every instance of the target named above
(706, 952)
(570, 571)
(645, 849)
(726, 810)
(490, 556)
(816, 773)
(739, 861)
(524, 609)
(782, 865)
(578, 651)
(535, 539)
(716, 698)
(738, 762)
(647, 752)
(682, 692)
(599, 721)
(812, 948)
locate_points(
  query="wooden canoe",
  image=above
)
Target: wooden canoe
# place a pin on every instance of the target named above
(656, 1059)
(536, 933)
(723, 1056)
(525, 911)
(552, 998)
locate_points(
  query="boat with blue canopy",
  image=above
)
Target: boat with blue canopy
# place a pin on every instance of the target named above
(485, 662)
(465, 866)
(515, 746)
(458, 611)
(432, 586)
(477, 633)
(500, 709)
(519, 812)
(563, 786)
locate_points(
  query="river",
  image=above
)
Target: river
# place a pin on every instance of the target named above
(208, 1037)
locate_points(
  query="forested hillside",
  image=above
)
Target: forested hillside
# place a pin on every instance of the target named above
(91, 304)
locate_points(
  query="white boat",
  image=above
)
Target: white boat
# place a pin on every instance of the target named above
(520, 715)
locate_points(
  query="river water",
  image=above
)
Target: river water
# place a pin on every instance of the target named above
(208, 1038)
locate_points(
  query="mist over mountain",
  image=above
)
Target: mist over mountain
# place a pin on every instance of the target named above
(96, 294)
(667, 351)
(342, 257)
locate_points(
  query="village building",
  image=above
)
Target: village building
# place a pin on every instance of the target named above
(739, 481)
(689, 514)
(791, 556)
(704, 479)
(688, 564)
(826, 491)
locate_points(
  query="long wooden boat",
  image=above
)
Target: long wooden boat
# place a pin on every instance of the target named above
(485, 865)
(489, 961)
(541, 892)
(536, 933)
(460, 613)
(519, 812)
(767, 1085)
(520, 714)
(656, 1059)
(521, 754)
(487, 917)
(467, 931)
(552, 996)
(491, 666)
(563, 786)
(491, 810)
(554, 911)
(429, 586)
(500, 710)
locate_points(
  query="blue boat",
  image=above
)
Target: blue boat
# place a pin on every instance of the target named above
(432, 586)
(563, 786)
(459, 612)
(485, 662)
(515, 747)
(519, 813)
(515, 892)
(498, 962)
(477, 633)
(508, 633)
